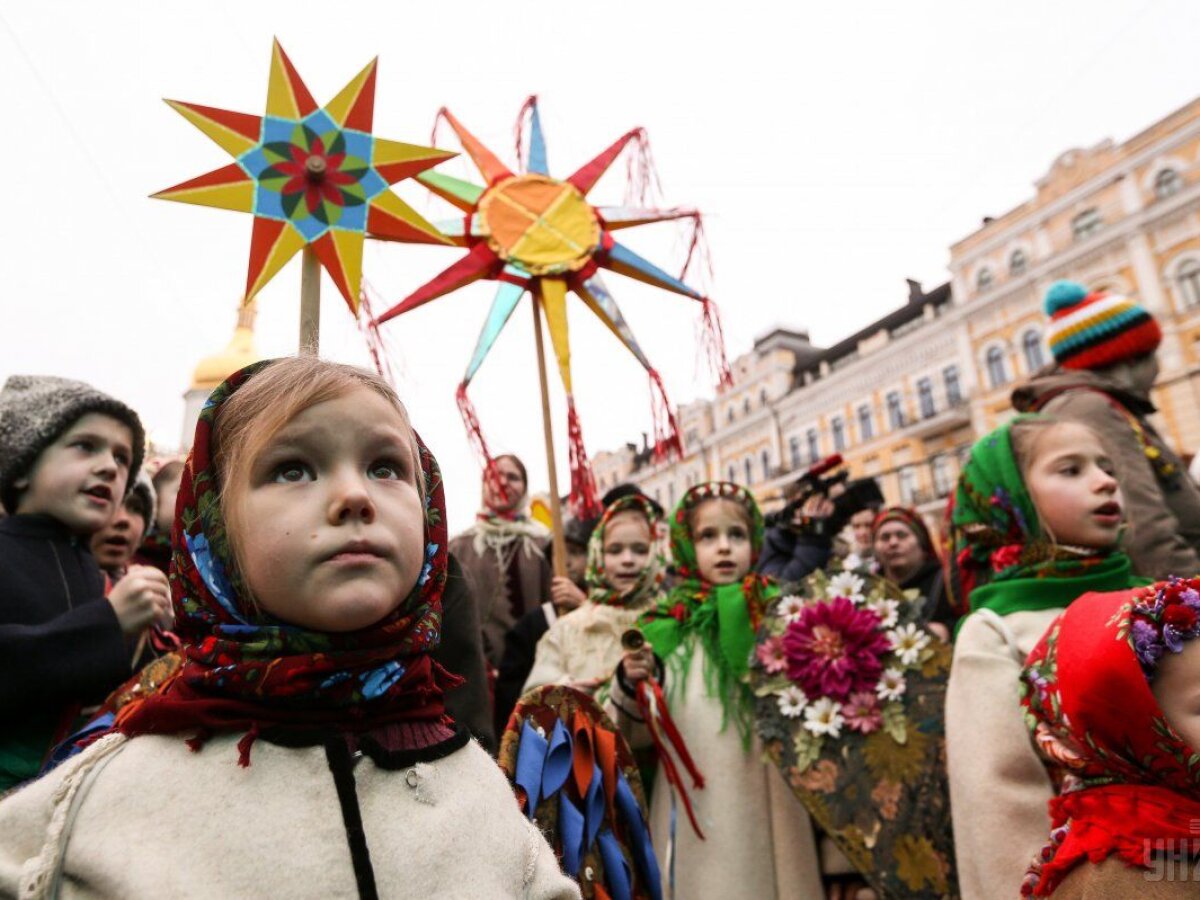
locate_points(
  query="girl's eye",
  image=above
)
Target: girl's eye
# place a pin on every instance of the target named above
(641, 549)
(737, 534)
(386, 470)
(292, 473)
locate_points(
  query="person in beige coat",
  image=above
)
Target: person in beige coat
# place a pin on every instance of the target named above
(301, 746)
(624, 579)
(1105, 364)
(1035, 523)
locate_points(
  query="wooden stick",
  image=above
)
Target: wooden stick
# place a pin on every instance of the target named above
(310, 303)
(560, 545)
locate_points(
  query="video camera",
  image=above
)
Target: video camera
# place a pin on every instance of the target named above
(859, 494)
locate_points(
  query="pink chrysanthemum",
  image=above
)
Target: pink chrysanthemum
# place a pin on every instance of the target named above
(862, 712)
(772, 656)
(835, 649)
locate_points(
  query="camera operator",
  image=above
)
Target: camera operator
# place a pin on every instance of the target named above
(799, 538)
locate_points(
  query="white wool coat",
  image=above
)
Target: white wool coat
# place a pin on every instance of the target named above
(759, 841)
(999, 787)
(583, 645)
(148, 818)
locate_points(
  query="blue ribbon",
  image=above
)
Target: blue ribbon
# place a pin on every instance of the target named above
(593, 805)
(531, 757)
(557, 766)
(570, 832)
(639, 837)
(616, 869)
(70, 747)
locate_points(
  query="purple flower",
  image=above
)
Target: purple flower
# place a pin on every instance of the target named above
(1146, 644)
(1172, 638)
(834, 649)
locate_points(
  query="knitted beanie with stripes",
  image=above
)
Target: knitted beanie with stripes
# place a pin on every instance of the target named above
(1096, 330)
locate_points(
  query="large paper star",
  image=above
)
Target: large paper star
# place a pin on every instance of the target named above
(531, 232)
(311, 176)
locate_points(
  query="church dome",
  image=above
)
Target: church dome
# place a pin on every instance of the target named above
(240, 352)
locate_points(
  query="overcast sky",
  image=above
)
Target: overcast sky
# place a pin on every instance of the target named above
(835, 149)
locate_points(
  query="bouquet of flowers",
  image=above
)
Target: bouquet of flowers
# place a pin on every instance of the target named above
(850, 689)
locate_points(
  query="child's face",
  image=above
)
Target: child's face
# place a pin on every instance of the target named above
(168, 492)
(627, 548)
(115, 543)
(1176, 687)
(576, 562)
(332, 520)
(1070, 480)
(81, 477)
(722, 541)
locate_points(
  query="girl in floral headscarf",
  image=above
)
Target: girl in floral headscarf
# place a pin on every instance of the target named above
(1035, 523)
(624, 579)
(758, 842)
(1110, 696)
(309, 558)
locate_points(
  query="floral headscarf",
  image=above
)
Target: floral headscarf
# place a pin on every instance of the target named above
(1086, 685)
(724, 618)
(911, 519)
(1000, 558)
(243, 669)
(650, 579)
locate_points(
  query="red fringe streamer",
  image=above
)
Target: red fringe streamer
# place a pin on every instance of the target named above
(666, 428)
(437, 120)
(376, 345)
(584, 503)
(476, 440)
(519, 129)
(642, 184)
(698, 250)
(712, 338)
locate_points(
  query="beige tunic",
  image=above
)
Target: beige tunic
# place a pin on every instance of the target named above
(999, 788)
(582, 646)
(759, 840)
(152, 819)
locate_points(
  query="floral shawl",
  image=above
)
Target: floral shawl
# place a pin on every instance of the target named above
(724, 618)
(243, 670)
(1137, 782)
(649, 582)
(1000, 559)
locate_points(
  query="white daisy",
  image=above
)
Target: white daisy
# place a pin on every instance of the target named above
(887, 609)
(908, 641)
(792, 701)
(791, 606)
(848, 585)
(891, 685)
(824, 717)
(852, 561)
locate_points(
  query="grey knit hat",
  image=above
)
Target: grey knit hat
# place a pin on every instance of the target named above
(143, 488)
(36, 409)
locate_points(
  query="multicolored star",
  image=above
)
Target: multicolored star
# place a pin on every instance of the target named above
(311, 176)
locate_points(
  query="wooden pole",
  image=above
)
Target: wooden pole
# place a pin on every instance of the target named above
(560, 546)
(310, 303)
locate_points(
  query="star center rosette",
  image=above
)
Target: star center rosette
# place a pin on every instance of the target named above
(850, 687)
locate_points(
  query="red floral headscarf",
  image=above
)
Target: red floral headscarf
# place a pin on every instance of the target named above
(1087, 700)
(243, 669)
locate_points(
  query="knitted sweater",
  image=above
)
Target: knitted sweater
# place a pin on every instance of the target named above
(147, 817)
(582, 646)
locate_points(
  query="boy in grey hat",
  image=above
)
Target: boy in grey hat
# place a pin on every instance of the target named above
(67, 454)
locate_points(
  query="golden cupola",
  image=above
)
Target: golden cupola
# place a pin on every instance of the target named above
(240, 352)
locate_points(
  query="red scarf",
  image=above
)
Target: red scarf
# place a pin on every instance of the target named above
(1084, 686)
(244, 670)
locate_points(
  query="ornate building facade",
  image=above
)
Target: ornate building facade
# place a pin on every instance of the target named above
(904, 398)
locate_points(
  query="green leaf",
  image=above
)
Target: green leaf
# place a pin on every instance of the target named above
(771, 686)
(808, 749)
(895, 723)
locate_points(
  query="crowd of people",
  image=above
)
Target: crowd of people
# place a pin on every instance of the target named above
(268, 668)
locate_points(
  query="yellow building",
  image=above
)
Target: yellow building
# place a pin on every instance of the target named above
(212, 370)
(904, 398)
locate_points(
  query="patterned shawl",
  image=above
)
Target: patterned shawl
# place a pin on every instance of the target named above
(243, 669)
(1000, 559)
(723, 618)
(1086, 684)
(650, 580)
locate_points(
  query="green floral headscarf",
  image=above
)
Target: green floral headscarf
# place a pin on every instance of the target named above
(649, 583)
(723, 618)
(1001, 559)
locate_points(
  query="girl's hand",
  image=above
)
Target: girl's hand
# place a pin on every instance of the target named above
(564, 594)
(638, 665)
